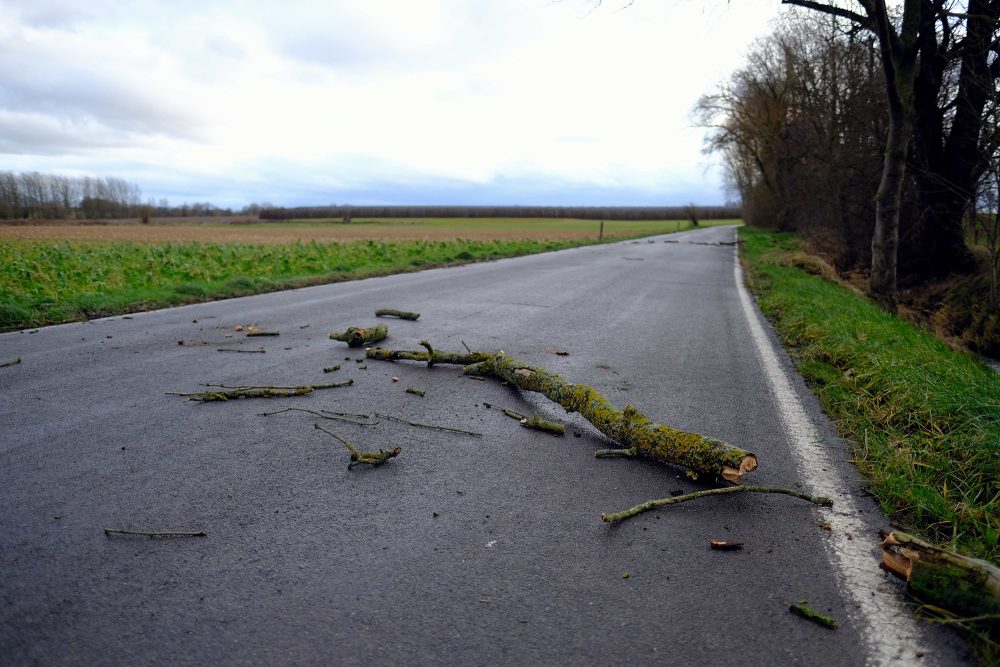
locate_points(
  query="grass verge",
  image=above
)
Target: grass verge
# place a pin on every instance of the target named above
(924, 420)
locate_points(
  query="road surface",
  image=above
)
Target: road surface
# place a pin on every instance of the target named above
(464, 549)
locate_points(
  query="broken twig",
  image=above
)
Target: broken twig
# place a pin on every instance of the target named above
(234, 349)
(252, 334)
(813, 615)
(358, 336)
(144, 533)
(10, 362)
(416, 392)
(401, 314)
(357, 456)
(255, 391)
(330, 369)
(700, 455)
(535, 421)
(673, 500)
(324, 414)
(423, 425)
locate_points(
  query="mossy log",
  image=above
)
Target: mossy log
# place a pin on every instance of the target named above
(359, 336)
(401, 314)
(700, 455)
(962, 585)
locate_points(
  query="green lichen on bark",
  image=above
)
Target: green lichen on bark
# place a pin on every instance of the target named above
(360, 336)
(812, 615)
(438, 357)
(392, 312)
(225, 393)
(357, 456)
(959, 584)
(700, 455)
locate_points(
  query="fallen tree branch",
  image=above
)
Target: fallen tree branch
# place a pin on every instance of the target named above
(10, 362)
(255, 391)
(673, 500)
(359, 336)
(259, 350)
(358, 457)
(144, 533)
(700, 455)
(534, 421)
(959, 584)
(401, 314)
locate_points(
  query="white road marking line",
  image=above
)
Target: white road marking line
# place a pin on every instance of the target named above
(890, 632)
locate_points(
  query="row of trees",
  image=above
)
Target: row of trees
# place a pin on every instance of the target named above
(871, 128)
(578, 212)
(36, 195)
(33, 195)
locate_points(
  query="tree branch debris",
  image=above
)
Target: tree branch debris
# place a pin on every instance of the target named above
(360, 336)
(149, 534)
(812, 615)
(673, 500)
(401, 314)
(255, 391)
(10, 362)
(535, 421)
(700, 455)
(358, 457)
(326, 414)
(959, 584)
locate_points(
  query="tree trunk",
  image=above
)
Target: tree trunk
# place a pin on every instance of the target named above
(885, 240)
(933, 244)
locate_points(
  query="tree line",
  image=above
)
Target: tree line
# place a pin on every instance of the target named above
(873, 131)
(36, 196)
(347, 213)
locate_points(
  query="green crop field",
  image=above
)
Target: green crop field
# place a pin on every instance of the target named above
(44, 280)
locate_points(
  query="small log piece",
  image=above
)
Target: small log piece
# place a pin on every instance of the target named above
(360, 336)
(959, 584)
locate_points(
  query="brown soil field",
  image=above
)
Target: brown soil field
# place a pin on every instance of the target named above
(241, 234)
(279, 234)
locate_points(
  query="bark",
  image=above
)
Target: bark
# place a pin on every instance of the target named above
(965, 586)
(358, 336)
(700, 455)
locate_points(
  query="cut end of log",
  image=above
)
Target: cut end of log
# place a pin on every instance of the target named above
(895, 558)
(735, 475)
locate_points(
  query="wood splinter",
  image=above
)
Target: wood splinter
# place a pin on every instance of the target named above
(358, 457)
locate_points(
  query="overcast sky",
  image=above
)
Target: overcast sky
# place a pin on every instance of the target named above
(372, 101)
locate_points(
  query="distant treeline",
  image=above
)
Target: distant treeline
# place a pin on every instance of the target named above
(579, 212)
(33, 195)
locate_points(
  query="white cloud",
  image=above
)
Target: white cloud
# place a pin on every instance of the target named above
(348, 97)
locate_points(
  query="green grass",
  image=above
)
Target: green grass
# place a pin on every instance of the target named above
(924, 419)
(43, 282)
(50, 282)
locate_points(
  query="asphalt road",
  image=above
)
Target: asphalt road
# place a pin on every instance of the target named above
(462, 550)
